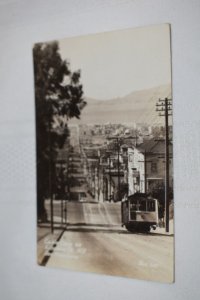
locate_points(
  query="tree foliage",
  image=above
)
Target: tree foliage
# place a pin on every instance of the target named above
(58, 97)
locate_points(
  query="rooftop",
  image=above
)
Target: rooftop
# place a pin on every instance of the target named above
(154, 146)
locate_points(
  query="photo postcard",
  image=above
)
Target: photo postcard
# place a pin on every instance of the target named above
(104, 146)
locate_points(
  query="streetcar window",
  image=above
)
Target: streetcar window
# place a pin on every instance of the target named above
(133, 203)
(133, 206)
(151, 205)
(142, 206)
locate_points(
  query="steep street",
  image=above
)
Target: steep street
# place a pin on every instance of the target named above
(101, 245)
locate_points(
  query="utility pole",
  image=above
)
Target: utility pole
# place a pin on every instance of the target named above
(118, 169)
(103, 184)
(109, 176)
(94, 179)
(145, 172)
(62, 188)
(136, 139)
(50, 172)
(164, 106)
(68, 178)
(118, 139)
(118, 162)
(109, 169)
(98, 179)
(98, 174)
(145, 161)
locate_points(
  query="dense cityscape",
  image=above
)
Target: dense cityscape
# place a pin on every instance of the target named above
(105, 162)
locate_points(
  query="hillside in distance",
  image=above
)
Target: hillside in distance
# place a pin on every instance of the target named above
(138, 106)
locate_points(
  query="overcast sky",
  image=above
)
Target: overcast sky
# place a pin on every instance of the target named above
(117, 63)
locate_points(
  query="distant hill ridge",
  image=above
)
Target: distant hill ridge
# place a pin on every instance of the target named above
(138, 106)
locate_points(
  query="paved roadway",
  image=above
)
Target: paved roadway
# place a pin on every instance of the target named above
(95, 242)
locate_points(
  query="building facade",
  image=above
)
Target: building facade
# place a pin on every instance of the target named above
(146, 166)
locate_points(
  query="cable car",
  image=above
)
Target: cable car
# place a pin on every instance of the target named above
(139, 212)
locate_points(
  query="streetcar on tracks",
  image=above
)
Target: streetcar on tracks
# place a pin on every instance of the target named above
(139, 212)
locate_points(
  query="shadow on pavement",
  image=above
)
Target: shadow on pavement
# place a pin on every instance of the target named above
(108, 228)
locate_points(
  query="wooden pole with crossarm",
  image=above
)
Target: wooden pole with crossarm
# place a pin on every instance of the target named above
(164, 106)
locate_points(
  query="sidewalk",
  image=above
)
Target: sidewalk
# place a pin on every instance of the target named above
(161, 230)
(46, 240)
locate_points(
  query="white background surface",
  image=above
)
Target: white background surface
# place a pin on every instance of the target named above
(21, 24)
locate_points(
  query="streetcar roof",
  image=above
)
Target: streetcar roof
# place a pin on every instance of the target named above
(140, 196)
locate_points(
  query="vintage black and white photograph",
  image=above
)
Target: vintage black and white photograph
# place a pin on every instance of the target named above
(104, 153)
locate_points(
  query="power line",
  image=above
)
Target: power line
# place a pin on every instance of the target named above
(164, 106)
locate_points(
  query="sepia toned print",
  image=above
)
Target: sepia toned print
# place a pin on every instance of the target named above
(104, 153)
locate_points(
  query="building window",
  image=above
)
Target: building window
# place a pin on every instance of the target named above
(153, 167)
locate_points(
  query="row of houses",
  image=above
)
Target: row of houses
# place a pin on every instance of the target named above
(127, 169)
(106, 173)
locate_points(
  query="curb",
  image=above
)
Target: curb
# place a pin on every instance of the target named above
(46, 257)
